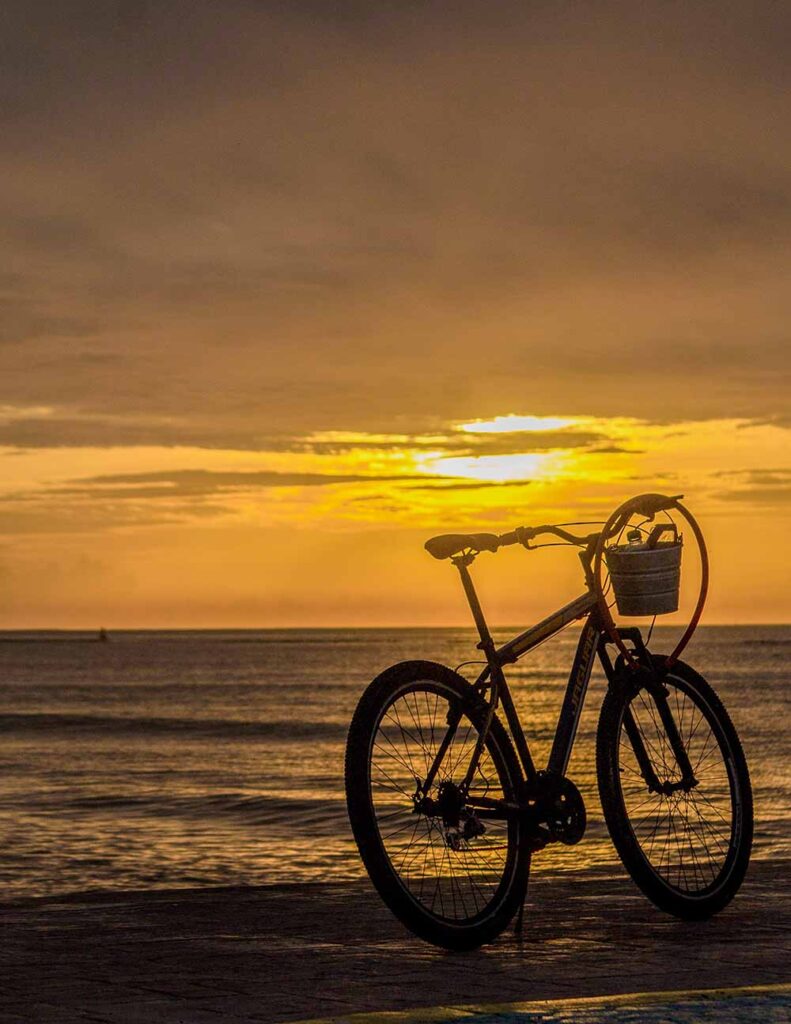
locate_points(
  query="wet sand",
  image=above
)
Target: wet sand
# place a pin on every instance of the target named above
(288, 953)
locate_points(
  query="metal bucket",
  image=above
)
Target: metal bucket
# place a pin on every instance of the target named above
(645, 578)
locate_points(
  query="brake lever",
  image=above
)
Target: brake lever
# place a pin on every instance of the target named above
(524, 534)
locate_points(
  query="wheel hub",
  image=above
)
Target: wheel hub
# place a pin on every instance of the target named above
(460, 824)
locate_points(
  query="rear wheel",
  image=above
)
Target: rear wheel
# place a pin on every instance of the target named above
(686, 846)
(450, 873)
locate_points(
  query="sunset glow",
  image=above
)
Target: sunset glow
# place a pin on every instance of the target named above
(499, 468)
(512, 423)
(135, 521)
(265, 332)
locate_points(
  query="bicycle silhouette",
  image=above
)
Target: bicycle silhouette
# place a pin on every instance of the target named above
(447, 806)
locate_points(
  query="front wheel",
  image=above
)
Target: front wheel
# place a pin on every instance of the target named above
(684, 837)
(446, 864)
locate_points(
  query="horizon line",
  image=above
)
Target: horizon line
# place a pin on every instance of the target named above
(250, 629)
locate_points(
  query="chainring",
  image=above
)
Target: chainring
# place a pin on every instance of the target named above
(560, 807)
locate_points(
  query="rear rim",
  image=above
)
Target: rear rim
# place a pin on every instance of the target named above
(689, 840)
(457, 872)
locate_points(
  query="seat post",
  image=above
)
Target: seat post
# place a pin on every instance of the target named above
(461, 562)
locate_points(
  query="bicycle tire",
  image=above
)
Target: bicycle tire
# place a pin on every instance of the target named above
(466, 930)
(695, 850)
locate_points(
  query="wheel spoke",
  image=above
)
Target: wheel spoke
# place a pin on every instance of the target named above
(684, 835)
(452, 876)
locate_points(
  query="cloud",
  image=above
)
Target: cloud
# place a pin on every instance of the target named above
(198, 482)
(770, 487)
(773, 496)
(260, 265)
(467, 486)
(30, 427)
(97, 430)
(250, 237)
(757, 476)
(108, 501)
(614, 449)
(21, 518)
(512, 442)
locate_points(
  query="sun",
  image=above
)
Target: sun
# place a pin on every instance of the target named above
(511, 423)
(498, 468)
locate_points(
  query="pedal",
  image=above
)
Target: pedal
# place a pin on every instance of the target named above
(539, 838)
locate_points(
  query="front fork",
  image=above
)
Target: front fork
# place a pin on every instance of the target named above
(645, 674)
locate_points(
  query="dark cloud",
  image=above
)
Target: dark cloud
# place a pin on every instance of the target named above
(196, 482)
(286, 218)
(467, 486)
(105, 432)
(783, 422)
(515, 442)
(771, 496)
(770, 487)
(19, 324)
(56, 517)
(94, 504)
(63, 430)
(769, 476)
(614, 449)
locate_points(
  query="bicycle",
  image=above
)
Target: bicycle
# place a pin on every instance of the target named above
(447, 806)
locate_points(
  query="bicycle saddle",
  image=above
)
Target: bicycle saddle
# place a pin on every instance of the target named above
(449, 544)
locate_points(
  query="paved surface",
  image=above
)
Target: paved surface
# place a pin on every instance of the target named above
(766, 1003)
(290, 953)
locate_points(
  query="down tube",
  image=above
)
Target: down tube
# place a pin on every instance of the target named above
(575, 696)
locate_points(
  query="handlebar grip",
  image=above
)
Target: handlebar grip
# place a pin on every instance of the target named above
(650, 504)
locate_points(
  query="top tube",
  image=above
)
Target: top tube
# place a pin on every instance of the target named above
(576, 609)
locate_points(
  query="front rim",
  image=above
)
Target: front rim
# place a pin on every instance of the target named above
(452, 870)
(688, 839)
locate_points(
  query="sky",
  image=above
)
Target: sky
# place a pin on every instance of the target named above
(288, 288)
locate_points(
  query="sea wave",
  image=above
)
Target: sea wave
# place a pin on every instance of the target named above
(320, 815)
(209, 728)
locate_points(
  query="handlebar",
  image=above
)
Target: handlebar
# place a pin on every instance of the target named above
(645, 504)
(524, 534)
(467, 545)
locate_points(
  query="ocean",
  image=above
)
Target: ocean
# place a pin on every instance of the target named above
(212, 758)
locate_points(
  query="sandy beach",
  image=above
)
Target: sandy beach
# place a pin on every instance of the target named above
(312, 951)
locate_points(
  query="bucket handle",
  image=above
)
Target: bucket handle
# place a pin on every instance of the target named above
(648, 504)
(658, 530)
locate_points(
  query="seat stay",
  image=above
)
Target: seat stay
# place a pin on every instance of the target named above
(454, 717)
(483, 734)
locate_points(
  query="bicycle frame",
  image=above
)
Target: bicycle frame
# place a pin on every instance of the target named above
(592, 642)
